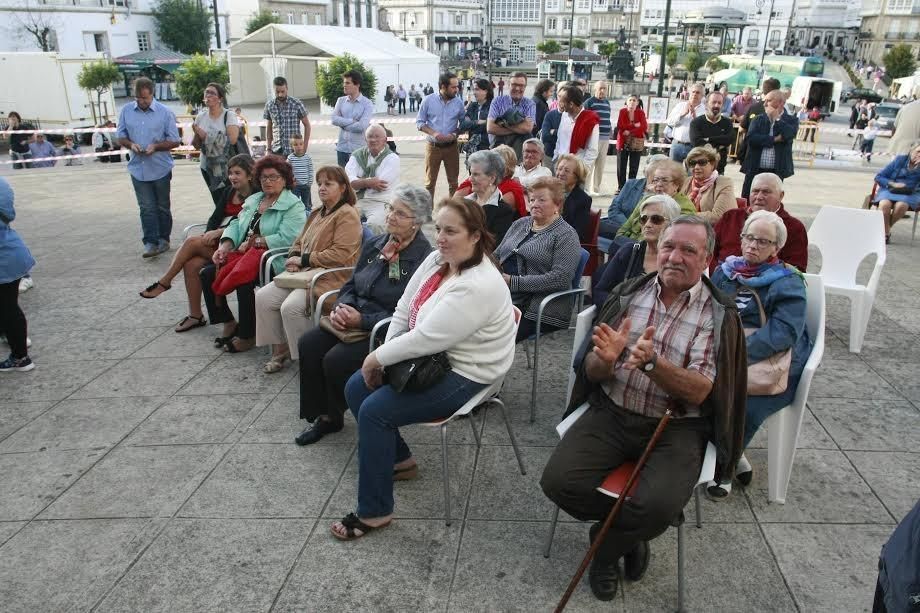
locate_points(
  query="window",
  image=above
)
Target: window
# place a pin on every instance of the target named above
(420, 43)
(774, 39)
(530, 52)
(95, 41)
(290, 18)
(459, 19)
(474, 21)
(276, 14)
(317, 20)
(516, 11)
(440, 19)
(566, 24)
(552, 5)
(551, 24)
(753, 38)
(304, 19)
(583, 5)
(514, 51)
(143, 41)
(582, 25)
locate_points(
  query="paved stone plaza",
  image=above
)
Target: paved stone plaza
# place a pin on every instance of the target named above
(143, 470)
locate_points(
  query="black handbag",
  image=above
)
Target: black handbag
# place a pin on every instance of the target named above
(417, 374)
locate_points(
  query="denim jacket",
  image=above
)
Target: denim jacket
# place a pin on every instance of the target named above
(15, 256)
(369, 290)
(625, 202)
(784, 304)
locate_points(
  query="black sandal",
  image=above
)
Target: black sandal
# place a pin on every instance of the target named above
(199, 321)
(220, 341)
(152, 287)
(351, 522)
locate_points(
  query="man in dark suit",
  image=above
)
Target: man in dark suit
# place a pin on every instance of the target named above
(769, 139)
(756, 110)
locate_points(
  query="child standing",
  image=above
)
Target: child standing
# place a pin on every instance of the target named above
(302, 164)
(868, 140)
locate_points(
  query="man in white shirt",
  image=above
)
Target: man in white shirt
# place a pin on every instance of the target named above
(374, 171)
(579, 128)
(531, 167)
(679, 122)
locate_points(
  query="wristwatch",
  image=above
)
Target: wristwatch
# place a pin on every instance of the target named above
(650, 365)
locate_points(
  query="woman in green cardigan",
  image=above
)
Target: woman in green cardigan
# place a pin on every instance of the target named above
(667, 178)
(270, 219)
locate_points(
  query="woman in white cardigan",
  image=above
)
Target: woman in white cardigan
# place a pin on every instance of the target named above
(456, 302)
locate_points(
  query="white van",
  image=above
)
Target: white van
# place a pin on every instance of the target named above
(809, 92)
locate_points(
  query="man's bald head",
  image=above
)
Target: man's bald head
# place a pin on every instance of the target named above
(376, 138)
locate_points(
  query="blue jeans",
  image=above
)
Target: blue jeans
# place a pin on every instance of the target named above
(679, 151)
(379, 414)
(342, 157)
(303, 192)
(153, 201)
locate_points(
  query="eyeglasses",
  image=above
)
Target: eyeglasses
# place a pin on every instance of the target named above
(660, 181)
(760, 242)
(700, 162)
(389, 210)
(269, 178)
(210, 92)
(656, 220)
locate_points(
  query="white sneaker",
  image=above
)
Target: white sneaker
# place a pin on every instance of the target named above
(25, 284)
(6, 342)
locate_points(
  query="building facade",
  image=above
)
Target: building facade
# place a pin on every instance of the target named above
(346, 13)
(825, 26)
(516, 28)
(886, 23)
(448, 28)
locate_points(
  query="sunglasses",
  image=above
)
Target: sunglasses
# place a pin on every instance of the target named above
(655, 219)
(692, 163)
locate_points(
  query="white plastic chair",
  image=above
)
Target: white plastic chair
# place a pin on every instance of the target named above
(783, 426)
(488, 395)
(845, 237)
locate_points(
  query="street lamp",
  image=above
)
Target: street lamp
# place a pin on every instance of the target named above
(664, 52)
(759, 4)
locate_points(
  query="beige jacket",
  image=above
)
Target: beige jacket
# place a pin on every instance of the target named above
(715, 201)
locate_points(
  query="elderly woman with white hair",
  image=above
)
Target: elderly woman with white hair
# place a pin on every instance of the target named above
(531, 167)
(487, 169)
(770, 296)
(655, 214)
(331, 353)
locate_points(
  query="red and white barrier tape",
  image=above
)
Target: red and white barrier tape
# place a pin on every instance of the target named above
(182, 124)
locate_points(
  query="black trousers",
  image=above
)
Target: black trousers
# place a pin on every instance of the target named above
(625, 157)
(219, 311)
(402, 105)
(326, 364)
(604, 438)
(12, 319)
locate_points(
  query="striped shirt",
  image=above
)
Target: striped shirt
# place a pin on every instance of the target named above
(683, 336)
(303, 168)
(601, 106)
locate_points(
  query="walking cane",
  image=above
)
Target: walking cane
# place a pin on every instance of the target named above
(614, 511)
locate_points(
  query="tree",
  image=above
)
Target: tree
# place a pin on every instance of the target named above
(549, 47)
(715, 64)
(899, 62)
(98, 77)
(670, 57)
(329, 78)
(195, 73)
(37, 25)
(579, 44)
(183, 25)
(260, 20)
(608, 49)
(693, 62)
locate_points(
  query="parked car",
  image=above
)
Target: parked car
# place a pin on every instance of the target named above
(887, 111)
(862, 93)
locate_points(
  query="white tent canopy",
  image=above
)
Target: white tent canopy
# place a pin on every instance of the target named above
(304, 47)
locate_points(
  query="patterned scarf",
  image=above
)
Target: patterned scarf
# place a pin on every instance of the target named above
(737, 269)
(423, 294)
(697, 188)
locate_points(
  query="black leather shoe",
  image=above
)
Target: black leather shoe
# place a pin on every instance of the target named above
(604, 574)
(635, 562)
(317, 431)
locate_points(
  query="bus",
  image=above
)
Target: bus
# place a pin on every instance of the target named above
(744, 70)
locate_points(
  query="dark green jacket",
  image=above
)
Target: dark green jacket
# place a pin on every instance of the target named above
(725, 406)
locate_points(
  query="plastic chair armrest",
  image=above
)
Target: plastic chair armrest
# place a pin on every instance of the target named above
(554, 296)
(325, 272)
(188, 229)
(376, 330)
(318, 312)
(267, 259)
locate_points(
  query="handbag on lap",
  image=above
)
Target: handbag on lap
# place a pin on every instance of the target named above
(771, 375)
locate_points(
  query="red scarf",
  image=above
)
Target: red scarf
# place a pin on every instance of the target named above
(581, 133)
(422, 295)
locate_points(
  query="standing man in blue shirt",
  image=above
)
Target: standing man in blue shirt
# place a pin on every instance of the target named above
(283, 116)
(505, 133)
(148, 129)
(352, 114)
(439, 117)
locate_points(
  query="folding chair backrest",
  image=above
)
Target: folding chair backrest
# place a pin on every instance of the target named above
(594, 227)
(580, 270)
(845, 237)
(583, 326)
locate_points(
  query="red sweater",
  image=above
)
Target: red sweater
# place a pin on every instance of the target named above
(623, 123)
(511, 185)
(728, 238)
(585, 123)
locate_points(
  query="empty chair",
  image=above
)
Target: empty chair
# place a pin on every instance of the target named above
(845, 237)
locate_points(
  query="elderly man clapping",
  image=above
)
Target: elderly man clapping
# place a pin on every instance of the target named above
(374, 171)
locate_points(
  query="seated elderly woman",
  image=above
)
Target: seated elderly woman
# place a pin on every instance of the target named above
(456, 303)
(270, 219)
(899, 188)
(758, 277)
(486, 169)
(656, 213)
(331, 353)
(331, 238)
(196, 251)
(539, 256)
(627, 199)
(711, 194)
(510, 188)
(576, 209)
(531, 167)
(667, 178)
